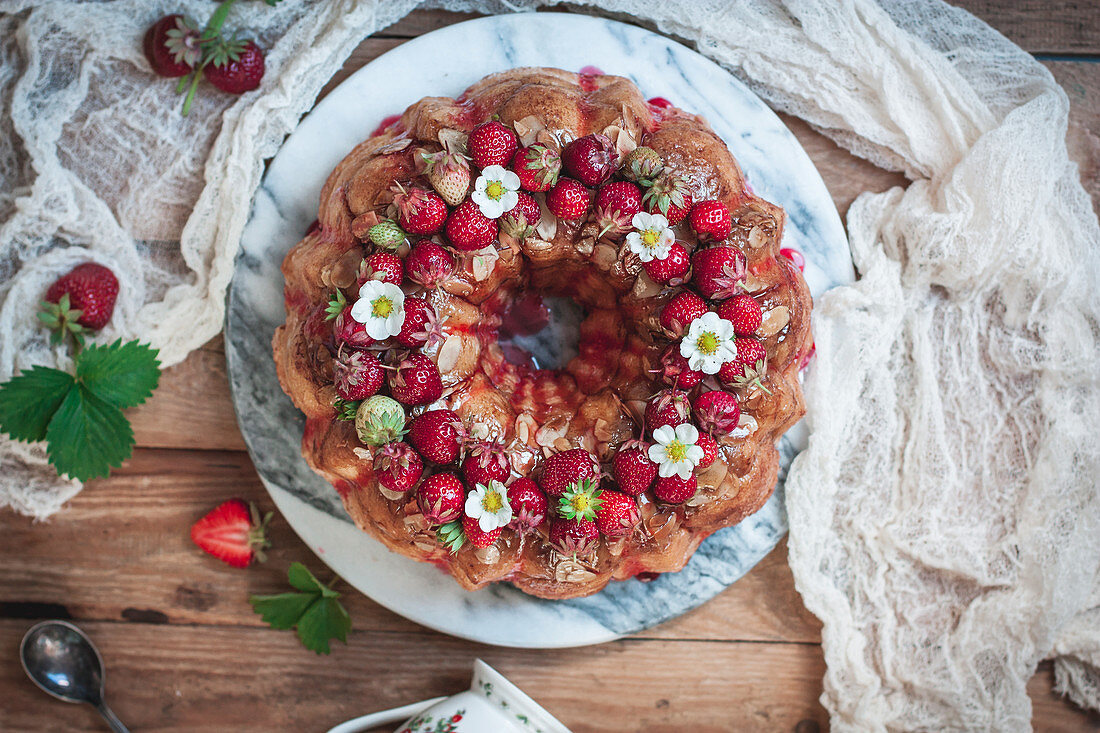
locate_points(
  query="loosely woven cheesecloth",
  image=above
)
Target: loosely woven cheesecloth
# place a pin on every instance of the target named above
(944, 521)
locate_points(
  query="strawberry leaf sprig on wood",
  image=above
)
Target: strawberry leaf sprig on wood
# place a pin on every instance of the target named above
(79, 415)
(314, 610)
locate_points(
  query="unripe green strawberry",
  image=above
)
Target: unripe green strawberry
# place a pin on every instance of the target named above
(387, 234)
(449, 174)
(642, 164)
(380, 420)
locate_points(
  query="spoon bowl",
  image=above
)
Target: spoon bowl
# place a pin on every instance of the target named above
(63, 661)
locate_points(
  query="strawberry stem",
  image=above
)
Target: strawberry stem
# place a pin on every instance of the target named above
(196, 76)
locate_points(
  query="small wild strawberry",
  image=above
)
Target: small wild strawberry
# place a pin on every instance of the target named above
(470, 230)
(491, 143)
(397, 467)
(568, 200)
(537, 166)
(743, 312)
(441, 498)
(435, 435)
(632, 468)
(711, 220)
(590, 159)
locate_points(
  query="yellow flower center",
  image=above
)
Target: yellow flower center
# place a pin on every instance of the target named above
(495, 190)
(650, 237)
(492, 502)
(676, 451)
(707, 342)
(580, 503)
(381, 307)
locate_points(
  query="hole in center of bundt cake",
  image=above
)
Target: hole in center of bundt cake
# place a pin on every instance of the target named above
(541, 331)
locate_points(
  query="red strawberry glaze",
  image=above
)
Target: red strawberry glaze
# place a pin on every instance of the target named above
(526, 315)
(386, 124)
(591, 70)
(587, 78)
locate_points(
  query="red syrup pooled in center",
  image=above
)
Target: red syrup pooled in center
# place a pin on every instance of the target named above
(526, 315)
(385, 124)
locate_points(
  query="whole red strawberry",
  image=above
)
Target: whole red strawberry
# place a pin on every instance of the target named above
(667, 407)
(416, 381)
(529, 505)
(675, 490)
(743, 312)
(485, 462)
(717, 272)
(172, 45)
(236, 68)
(617, 515)
(710, 449)
(574, 536)
(717, 412)
(397, 466)
(491, 143)
(435, 435)
(233, 532)
(92, 289)
(710, 220)
(590, 159)
(469, 229)
(384, 266)
(537, 166)
(346, 330)
(750, 368)
(357, 374)
(419, 211)
(679, 312)
(633, 470)
(568, 199)
(476, 536)
(429, 265)
(675, 370)
(668, 194)
(670, 270)
(521, 221)
(564, 469)
(441, 497)
(616, 204)
(420, 325)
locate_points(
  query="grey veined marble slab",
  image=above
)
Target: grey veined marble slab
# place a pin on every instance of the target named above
(443, 63)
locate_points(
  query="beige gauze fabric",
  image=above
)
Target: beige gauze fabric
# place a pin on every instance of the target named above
(944, 520)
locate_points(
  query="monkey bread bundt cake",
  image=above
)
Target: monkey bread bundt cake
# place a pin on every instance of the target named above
(436, 239)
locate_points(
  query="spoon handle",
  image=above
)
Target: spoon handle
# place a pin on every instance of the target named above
(111, 718)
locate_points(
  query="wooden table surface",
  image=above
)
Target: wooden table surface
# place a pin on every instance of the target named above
(185, 651)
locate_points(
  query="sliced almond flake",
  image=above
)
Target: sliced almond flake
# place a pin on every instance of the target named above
(528, 128)
(547, 138)
(525, 427)
(602, 430)
(562, 444)
(758, 237)
(398, 144)
(416, 522)
(548, 224)
(362, 454)
(479, 431)
(754, 284)
(585, 245)
(699, 498)
(360, 225)
(488, 555)
(425, 546)
(551, 432)
(774, 321)
(456, 139)
(449, 353)
(644, 287)
(571, 571)
(390, 494)
(481, 263)
(615, 547)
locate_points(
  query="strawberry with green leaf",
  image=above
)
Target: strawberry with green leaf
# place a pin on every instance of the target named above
(313, 609)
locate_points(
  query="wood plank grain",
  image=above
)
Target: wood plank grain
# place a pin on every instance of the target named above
(137, 561)
(231, 679)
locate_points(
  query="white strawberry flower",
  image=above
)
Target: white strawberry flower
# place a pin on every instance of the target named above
(709, 343)
(380, 308)
(489, 506)
(675, 451)
(495, 191)
(651, 238)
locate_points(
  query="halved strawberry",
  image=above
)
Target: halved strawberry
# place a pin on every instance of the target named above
(233, 532)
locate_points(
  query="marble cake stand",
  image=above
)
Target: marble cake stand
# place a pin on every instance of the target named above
(444, 63)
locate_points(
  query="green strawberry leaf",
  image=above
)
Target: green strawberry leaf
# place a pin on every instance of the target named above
(28, 402)
(282, 611)
(87, 436)
(314, 611)
(122, 374)
(300, 577)
(326, 619)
